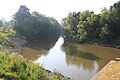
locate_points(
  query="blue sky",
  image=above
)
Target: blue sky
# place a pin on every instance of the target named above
(53, 8)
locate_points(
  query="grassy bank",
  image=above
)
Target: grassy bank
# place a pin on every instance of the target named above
(15, 67)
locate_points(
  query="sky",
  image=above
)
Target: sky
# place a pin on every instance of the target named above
(53, 8)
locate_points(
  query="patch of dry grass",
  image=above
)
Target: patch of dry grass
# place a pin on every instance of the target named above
(109, 72)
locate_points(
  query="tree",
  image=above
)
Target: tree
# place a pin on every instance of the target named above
(105, 32)
(35, 26)
(89, 27)
(12, 22)
(115, 14)
(19, 17)
(22, 14)
(1, 23)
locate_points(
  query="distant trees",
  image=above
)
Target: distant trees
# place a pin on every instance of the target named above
(1, 23)
(90, 27)
(35, 26)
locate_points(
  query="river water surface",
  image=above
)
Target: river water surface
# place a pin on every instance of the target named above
(79, 62)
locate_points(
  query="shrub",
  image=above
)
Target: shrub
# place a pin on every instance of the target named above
(15, 67)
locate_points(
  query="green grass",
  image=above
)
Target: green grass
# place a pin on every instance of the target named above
(5, 41)
(15, 67)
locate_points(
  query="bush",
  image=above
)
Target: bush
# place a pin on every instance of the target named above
(15, 67)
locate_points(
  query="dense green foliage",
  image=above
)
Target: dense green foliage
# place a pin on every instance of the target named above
(1, 23)
(71, 49)
(15, 67)
(90, 27)
(5, 40)
(35, 26)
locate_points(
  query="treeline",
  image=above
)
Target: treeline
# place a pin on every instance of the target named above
(90, 27)
(34, 26)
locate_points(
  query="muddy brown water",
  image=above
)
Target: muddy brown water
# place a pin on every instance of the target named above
(79, 62)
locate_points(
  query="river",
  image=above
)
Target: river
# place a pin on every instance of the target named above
(79, 62)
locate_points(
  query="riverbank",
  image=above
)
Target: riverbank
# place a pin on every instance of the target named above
(56, 75)
(49, 73)
(14, 66)
(103, 44)
(52, 75)
(110, 72)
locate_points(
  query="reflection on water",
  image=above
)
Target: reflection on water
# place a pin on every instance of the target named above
(46, 45)
(79, 62)
(105, 53)
(36, 49)
(72, 50)
(32, 54)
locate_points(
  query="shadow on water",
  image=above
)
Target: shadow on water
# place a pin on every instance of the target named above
(68, 62)
(33, 50)
(72, 50)
(72, 60)
(42, 44)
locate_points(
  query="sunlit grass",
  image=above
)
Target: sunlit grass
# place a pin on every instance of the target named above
(112, 72)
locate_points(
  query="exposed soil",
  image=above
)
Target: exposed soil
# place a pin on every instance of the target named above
(110, 72)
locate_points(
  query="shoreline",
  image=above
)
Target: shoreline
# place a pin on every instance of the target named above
(104, 45)
(56, 74)
(19, 46)
(62, 76)
(117, 46)
(95, 43)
